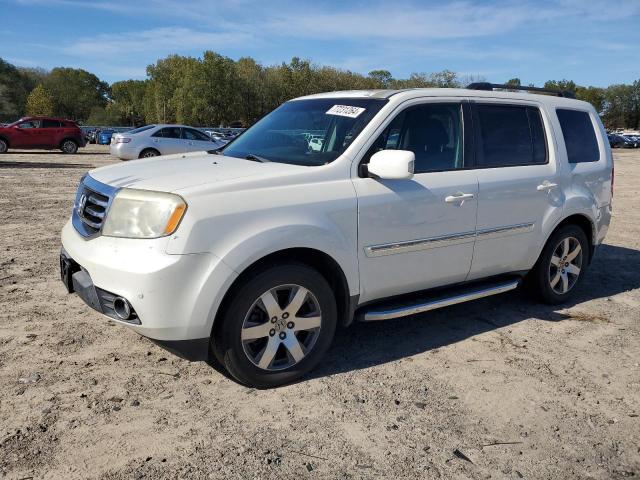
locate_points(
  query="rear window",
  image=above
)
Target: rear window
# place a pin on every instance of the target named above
(140, 129)
(579, 136)
(510, 135)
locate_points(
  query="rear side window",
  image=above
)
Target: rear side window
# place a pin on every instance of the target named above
(168, 132)
(50, 123)
(509, 135)
(579, 136)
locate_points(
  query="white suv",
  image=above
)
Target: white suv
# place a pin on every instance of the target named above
(416, 199)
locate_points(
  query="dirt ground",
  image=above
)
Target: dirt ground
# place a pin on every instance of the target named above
(498, 388)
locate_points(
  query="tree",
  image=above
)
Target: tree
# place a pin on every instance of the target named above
(382, 77)
(128, 100)
(40, 102)
(562, 85)
(104, 116)
(76, 92)
(15, 86)
(515, 82)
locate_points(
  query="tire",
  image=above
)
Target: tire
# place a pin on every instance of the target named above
(69, 146)
(4, 146)
(148, 153)
(561, 266)
(275, 341)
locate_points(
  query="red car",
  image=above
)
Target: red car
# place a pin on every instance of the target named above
(42, 132)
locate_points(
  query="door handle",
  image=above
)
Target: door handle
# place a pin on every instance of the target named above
(546, 186)
(458, 197)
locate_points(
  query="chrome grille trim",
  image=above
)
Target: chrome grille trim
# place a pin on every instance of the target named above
(91, 206)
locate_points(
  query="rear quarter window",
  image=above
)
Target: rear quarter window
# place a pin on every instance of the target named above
(579, 136)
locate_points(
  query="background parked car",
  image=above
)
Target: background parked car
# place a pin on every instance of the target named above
(42, 133)
(104, 137)
(154, 140)
(620, 141)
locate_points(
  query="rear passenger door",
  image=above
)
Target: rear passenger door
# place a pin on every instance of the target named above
(51, 132)
(519, 191)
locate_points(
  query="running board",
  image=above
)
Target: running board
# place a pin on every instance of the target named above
(378, 312)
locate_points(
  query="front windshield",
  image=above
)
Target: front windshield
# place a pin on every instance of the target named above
(306, 132)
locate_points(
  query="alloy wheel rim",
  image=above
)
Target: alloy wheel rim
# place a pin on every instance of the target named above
(149, 154)
(565, 265)
(68, 147)
(281, 327)
(3, 146)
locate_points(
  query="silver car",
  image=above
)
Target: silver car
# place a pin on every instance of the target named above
(155, 140)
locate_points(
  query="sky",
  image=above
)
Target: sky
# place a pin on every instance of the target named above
(593, 42)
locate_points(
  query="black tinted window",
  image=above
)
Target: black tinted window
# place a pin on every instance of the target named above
(579, 136)
(510, 135)
(50, 124)
(168, 132)
(192, 134)
(432, 132)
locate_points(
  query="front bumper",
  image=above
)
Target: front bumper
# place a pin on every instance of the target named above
(175, 297)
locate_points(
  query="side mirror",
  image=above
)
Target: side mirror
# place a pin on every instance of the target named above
(392, 165)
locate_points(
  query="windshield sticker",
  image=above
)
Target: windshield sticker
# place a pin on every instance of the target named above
(345, 111)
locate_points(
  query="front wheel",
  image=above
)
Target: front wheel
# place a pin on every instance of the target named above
(4, 146)
(277, 326)
(561, 265)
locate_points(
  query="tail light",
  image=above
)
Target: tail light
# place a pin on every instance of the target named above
(122, 140)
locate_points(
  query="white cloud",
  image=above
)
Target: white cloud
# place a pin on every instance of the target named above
(163, 40)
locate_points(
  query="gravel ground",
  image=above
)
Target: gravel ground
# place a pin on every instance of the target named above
(498, 388)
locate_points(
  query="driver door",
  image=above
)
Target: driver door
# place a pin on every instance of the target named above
(27, 134)
(419, 233)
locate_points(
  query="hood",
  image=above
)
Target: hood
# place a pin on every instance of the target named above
(175, 172)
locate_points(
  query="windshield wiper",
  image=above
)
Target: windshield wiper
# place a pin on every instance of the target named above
(256, 158)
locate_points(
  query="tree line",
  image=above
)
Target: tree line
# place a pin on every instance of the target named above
(216, 90)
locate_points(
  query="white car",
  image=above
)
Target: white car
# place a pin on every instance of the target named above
(156, 140)
(417, 199)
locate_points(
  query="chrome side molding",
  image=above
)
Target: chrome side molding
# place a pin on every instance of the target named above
(376, 314)
(446, 240)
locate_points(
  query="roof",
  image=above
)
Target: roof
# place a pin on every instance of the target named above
(409, 93)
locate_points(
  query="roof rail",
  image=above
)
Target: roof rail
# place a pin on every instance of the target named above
(504, 86)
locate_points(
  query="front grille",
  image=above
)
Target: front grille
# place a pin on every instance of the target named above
(92, 209)
(92, 203)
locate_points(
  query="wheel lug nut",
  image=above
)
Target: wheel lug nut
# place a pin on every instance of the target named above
(283, 335)
(285, 315)
(290, 325)
(274, 319)
(272, 332)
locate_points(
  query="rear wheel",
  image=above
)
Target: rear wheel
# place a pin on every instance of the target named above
(277, 326)
(4, 146)
(561, 265)
(149, 152)
(69, 146)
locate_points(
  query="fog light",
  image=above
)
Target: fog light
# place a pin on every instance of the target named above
(122, 308)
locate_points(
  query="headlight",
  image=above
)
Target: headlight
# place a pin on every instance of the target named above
(143, 214)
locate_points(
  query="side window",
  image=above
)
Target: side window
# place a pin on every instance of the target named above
(192, 134)
(50, 123)
(509, 135)
(579, 136)
(168, 132)
(433, 132)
